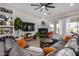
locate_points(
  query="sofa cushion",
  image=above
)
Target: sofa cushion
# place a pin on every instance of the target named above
(16, 51)
(26, 52)
(59, 45)
(9, 43)
(47, 50)
(65, 52)
(1, 48)
(35, 51)
(72, 44)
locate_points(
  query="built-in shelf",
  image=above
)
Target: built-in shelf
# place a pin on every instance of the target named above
(5, 26)
(6, 35)
(6, 30)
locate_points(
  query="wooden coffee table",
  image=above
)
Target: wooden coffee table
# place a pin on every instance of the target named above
(46, 43)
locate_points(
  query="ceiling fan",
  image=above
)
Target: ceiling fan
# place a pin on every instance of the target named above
(43, 6)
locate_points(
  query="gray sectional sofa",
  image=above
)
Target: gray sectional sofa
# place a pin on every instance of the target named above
(15, 50)
(63, 49)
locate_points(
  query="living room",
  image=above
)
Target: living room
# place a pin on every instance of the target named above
(39, 29)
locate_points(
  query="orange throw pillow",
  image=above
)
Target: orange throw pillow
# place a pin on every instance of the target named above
(21, 42)
(47, 50)
(66, 38)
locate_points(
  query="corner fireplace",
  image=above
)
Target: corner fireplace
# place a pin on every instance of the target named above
(43, 32)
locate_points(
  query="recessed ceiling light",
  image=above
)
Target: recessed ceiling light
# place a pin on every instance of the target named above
(72, 4)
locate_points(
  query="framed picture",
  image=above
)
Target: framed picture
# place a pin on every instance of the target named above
(43, 23)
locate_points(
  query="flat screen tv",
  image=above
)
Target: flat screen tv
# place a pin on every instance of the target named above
(28, 26)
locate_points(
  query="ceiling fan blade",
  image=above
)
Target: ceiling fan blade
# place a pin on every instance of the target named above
(34, 5)
(50, 6)
(37, 8)
(42, 4)
(46, 9)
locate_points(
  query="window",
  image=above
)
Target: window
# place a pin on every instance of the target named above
(57, 26)
(73, 25)
(51, 26)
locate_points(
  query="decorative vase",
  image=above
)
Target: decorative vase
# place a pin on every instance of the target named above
(8, 23)
(37, 37)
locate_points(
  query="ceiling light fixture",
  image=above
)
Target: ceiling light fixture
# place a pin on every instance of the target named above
(43, 7)
(45, 14)
(72, 4)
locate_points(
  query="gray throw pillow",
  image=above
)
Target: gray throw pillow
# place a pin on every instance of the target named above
(9, 43)
(72, 43)
(65, 52)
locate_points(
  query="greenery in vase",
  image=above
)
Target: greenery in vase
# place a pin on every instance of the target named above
(5, 19)
(1, 31)
(11, 23)
(17, 24)
(37, 34)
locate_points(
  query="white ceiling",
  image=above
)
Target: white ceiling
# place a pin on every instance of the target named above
(61, 8)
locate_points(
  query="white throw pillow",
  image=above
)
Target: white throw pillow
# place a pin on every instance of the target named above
(35, 49)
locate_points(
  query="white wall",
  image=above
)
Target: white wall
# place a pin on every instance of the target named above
(31, 19)
(27, 18)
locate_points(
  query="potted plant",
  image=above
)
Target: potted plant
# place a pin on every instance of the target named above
(1, 31)
(17, 24)
(37, 35)
(5, 19)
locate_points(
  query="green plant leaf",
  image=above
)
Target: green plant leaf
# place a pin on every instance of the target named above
(18, 23)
